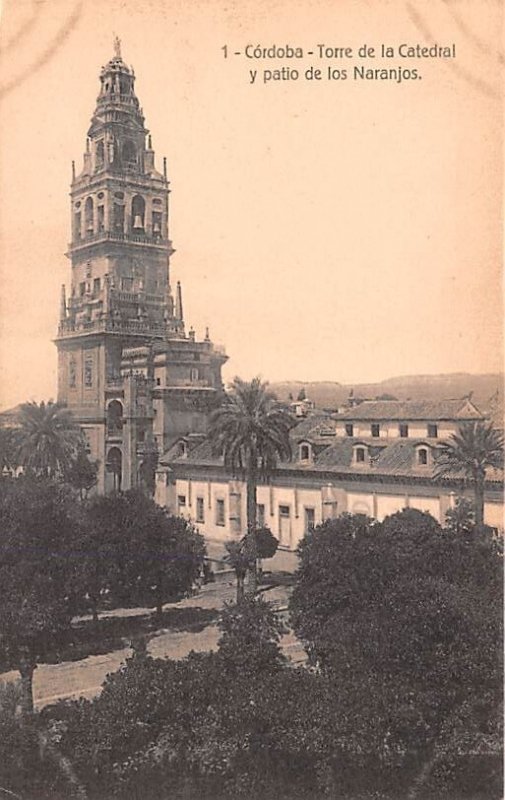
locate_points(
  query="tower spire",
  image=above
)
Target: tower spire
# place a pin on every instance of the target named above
(178, 303)
(63, 303)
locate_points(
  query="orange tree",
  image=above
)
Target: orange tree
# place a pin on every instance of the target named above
(405, 618)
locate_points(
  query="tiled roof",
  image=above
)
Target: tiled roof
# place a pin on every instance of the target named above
(412, 410)
(200, 453)
(315, 425)
(395, 458)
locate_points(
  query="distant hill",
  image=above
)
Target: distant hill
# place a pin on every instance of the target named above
(416, 387)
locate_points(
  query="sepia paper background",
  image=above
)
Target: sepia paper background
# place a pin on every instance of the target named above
(344, 231)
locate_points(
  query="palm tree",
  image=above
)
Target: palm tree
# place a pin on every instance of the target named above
(476, 447)
(251, 431)
(8, 450)
(49, 438)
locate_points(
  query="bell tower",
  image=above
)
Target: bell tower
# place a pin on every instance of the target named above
(119, 317)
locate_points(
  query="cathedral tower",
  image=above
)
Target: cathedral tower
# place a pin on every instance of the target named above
(127, 370)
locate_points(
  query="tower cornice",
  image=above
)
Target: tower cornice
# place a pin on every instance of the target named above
(110, 180)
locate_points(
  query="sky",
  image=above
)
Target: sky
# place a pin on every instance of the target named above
(345, 230)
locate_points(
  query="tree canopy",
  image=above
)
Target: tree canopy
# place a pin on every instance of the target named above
(406, 619)
(37, 570)
(133, 552)
(49, 438)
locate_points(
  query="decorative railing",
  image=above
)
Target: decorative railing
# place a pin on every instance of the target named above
(187, 383)
(67, 327)
(119, 236)
(135, 297)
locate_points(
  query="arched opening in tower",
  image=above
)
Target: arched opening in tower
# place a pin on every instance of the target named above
(138, 214)
(99, 154)
(89, 216)
(129, 154)
(114, 470)
(114, 418)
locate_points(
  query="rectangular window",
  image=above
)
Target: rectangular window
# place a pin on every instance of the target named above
(310, 519)
(360, 455)
(432, 431)
(375, 429)
(194, 374)
(284, 511)
(200, 512)
(181, 503)
(349, 429)
(96, 285)
(260, 515)
(220, 519)
(82, 288)
(404, 430)
(101, 218)
(88, 372)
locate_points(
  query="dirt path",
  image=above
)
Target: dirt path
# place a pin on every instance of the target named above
(72, 679)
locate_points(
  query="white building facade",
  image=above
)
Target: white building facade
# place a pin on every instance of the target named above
(376, 459)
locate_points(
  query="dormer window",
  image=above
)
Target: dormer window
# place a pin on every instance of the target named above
(359, 455)
(182, 449)
(305, 452)
(422, 456)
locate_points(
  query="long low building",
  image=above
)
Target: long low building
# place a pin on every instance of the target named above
(375, 458)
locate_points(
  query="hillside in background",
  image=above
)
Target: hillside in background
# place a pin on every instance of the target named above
(331, 395)
(414, 387)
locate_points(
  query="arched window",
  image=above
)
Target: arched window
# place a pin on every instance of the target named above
(114, 468)
(157, 219)
(361, 507)
(88, 215)
(138, 213)
(99, 154)
(114, 418)
(129, 154)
